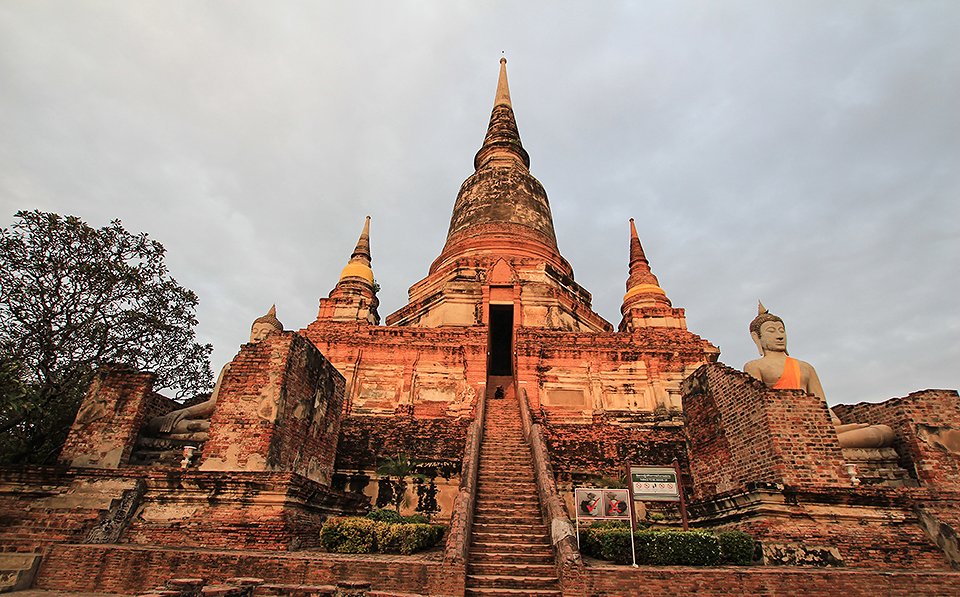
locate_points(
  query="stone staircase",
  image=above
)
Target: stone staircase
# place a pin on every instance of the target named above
(510, 551)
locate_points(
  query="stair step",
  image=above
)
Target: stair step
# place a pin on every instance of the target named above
(505, 592)
(518, 537)
(528, 547)
(507, 482)
(509, 569)
(499, 527)
(513, 582)
(494, 474)
(491, 515)
(493, 557)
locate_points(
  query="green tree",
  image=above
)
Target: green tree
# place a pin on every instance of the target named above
(73, 298)
(396, 470)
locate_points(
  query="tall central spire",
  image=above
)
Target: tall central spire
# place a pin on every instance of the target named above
(502, 142)
(502, 211)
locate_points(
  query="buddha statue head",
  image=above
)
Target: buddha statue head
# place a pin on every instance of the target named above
(265, 325)
(768, 332)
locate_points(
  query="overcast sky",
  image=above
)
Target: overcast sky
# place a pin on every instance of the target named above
(805, 153)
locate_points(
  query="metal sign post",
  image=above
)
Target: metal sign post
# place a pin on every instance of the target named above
(683, 502)
(658, 484)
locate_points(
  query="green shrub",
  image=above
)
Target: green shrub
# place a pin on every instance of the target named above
(736, 547)
(677, 548)
(392, 516)
(417, 537)
(349, 535)
(363, 535)
(666, 547)
(614, 544)
(382, 515)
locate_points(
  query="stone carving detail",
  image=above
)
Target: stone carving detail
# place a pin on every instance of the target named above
(112, 525)
(943, 438)
(798, 554)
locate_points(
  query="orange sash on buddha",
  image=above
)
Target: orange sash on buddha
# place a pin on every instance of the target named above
(790, 379)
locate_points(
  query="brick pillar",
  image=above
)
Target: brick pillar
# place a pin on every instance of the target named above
(741, 432)
(108, 422)
(279, 409)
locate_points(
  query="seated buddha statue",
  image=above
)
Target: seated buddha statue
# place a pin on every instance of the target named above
(193, 422)
(779, 371)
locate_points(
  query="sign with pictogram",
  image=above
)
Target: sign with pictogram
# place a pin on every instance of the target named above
(654, 483)
(602, 504)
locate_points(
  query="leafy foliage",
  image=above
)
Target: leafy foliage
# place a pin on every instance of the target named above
(73, 298)
(393, 483)
(666, 547)
(349, 535)
(392, 516)
(736, 547)
(427, 497)
(369, 535)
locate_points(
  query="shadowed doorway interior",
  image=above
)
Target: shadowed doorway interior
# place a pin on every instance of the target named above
(501, 340)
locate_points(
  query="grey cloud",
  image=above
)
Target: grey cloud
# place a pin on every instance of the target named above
(806, 153)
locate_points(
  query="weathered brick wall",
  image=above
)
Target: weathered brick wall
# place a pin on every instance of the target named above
(366, 440)
(231, 510)
(36, 508)
(311, 410)
(917, 419)
(717, 582)
(113, 411)
(637, 372)
(431, 373)
(130, 569)
(601, 449)
(187, 508)
(740, 432)
(278, 409)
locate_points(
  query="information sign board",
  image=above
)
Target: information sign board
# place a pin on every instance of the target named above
(654, 483)
(602, 504)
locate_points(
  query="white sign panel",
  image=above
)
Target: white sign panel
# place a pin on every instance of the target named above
(654, 483)
(598, 503)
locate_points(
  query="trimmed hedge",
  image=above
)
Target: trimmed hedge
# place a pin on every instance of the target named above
(364, 535)
(736, 547)
(393, 516)
(667, 547)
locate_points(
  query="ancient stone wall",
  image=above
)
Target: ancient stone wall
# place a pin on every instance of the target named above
(873, 527)
(110, 417)
(601, 449)
(40, 506)
(279, 409)
(927, 427)
(366, 440)
(430, 373)
(742, 433)
(135, 569)
(721, 582)
(236, 510)
(571, 376)
(43, 505)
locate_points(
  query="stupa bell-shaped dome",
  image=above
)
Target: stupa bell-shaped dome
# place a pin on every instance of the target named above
(501, 208)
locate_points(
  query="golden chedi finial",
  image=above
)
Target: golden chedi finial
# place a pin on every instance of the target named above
(360, 260)
(643, 288)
